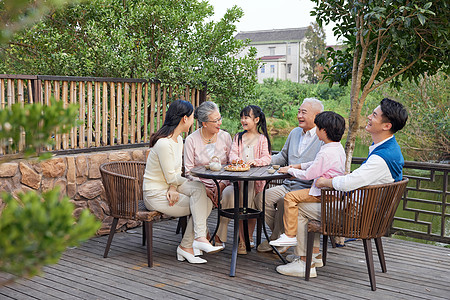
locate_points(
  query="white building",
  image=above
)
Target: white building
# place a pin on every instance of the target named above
(280, 52)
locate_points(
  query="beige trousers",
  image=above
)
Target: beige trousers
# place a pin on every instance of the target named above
(228, 202)
(306, 211)
(192, 201)
(291, 202)
(274, 209)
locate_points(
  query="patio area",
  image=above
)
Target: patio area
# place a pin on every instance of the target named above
(415, 270)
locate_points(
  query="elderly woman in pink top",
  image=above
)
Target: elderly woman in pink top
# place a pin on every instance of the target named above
(203, 144)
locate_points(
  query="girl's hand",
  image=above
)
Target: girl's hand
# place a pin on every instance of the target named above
(284, 169)
(252, 163)
(172, 195)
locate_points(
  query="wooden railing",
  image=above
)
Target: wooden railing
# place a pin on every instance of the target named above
(112, 111)
(424, 212)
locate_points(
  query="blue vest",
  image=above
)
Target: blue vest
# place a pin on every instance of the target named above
(392, 155)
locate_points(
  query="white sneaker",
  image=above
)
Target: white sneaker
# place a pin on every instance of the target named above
(296, 268)
(284, 240)
(316, 259)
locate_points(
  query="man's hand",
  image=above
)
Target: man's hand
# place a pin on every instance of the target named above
(324, 182)
(172, 195)
(284, 169)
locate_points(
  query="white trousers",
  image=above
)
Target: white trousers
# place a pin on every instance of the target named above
(192, 201)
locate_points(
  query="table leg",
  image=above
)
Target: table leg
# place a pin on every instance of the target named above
(245, 205)
(219, 207)
(236, 230)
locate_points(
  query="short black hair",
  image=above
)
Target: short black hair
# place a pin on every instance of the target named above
(394, 113)
(333, 123)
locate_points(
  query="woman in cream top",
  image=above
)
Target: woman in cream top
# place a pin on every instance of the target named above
(166, 191)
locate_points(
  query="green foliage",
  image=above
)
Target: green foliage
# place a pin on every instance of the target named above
(169, 40)
(35, 230)
(37, 122)
(281, 98)
(315, 50)
(400, 39)
(426, 136)
(18, 14)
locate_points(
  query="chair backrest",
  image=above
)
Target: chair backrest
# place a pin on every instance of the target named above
(123, 186)
(363, 213)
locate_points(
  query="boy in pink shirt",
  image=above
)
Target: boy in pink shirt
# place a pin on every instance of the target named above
(329, 162)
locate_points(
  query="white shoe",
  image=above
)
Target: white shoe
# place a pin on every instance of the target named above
(296, 268)
(316, 259)
(284, 240)
(183, 255)
(207, 247)
(265, 247)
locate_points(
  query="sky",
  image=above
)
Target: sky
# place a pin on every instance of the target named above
(271, 14)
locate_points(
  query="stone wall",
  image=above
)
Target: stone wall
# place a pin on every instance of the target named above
(78, 177)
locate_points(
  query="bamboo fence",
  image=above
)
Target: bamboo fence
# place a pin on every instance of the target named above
(112, 111)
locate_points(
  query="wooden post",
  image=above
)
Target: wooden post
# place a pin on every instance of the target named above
(158, 107)
(139, 112)
(97, 114)
(89, 114)
(20, 99)
(73, 100)
(146, 112)
(164, 103)
(82, 141)
(46, 96)
(10, 92)
(112, 111)
(126, 110)
(2, 94)
(65, 137)
(119, 113)
(133, 113)
(105, 114)
(30, 91)
(57, 93)
(152, 109)
(193, 104)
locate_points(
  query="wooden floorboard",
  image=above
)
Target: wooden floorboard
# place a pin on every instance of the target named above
(415, 271)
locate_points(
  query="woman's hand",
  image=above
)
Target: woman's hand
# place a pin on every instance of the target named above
(211, 196)
(284, 169)
(172, 195)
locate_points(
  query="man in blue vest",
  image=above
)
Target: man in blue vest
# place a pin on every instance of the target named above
(383, 165)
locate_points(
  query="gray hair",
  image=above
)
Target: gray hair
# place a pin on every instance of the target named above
(315, 103)
(203, 111)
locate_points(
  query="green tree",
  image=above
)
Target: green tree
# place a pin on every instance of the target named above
(35, 229)
(169, 40)
(315, 50)
(386, 41)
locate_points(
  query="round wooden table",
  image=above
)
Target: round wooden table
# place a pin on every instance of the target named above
(241, 213)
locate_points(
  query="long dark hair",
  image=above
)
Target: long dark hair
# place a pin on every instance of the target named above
(262, 126)
(177, 110)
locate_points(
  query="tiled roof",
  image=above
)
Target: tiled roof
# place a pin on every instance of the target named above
(288, 34)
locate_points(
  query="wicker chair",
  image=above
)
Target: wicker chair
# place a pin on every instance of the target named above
(123, 185)
(365, 213)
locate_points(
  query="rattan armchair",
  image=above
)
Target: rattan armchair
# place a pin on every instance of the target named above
(365, 213)
(123, 186)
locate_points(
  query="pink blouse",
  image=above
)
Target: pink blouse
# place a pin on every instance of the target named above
(261, 154)
(196, 154)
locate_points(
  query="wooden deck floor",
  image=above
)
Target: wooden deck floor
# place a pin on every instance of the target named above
(415, 271)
